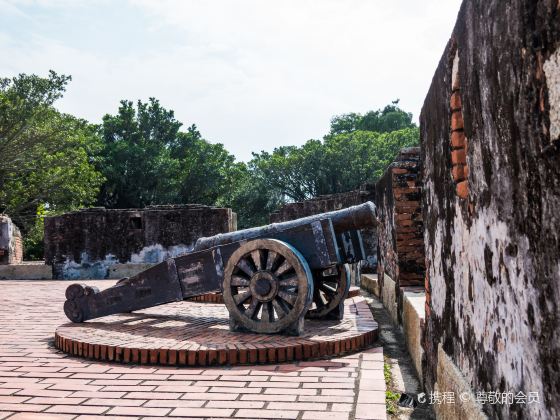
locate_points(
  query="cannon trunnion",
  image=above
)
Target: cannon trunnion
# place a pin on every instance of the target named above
(271, 277)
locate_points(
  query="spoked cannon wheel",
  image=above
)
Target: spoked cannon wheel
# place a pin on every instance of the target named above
(330, 291)
(268, 287)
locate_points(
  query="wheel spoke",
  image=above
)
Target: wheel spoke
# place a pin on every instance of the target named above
(279, 308)
(252, 309)
(267, 312)
(288, 297)
(239, 282)
(256, 255)
(290, 281)
(244, 266)
(318, 299)
(239, 299)
(327, 289)
(284, 268)
(271, 259)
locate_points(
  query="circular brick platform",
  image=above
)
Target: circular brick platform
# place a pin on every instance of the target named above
(217, 297)
(197, 334)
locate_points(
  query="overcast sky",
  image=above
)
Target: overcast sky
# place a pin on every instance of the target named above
(251, 74)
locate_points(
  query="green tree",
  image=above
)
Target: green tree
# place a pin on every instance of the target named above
(339, 163)
(137, 161)
(206, 173)
(390, 118)
(48, 158)
(147, 160)
(251, 198)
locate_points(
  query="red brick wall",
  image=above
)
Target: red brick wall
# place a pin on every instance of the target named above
(401, 229)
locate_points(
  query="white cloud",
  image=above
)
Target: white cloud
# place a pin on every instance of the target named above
(251, 74)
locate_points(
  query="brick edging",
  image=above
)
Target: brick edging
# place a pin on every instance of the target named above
(275, 349)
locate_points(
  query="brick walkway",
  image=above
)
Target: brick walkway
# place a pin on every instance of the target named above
(38, 381)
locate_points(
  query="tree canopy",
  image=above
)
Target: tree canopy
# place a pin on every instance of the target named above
(147, 160)
(141, 155)
(48, 158)
(390, 118)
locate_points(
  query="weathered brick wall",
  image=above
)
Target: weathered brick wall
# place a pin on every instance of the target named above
(322, 204)
(401, 243)
(492, 232)
(85, 243)
(11, 244)
(325, 203)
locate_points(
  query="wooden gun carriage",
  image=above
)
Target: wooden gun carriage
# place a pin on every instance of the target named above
(271, 277)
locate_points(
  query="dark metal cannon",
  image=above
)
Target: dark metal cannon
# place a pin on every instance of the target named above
(271, 277)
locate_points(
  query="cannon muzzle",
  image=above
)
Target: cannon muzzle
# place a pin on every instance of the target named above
(348, 219)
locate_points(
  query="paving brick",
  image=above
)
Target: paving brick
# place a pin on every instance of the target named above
(22, 407)
(341, 392)
(40, 416)
(317, 415)
(235, 404)
(125, 402)
(236, 390)
(371, 411)
(341, 407)
(269, 397)
(191, 377)
(298, 379)
(330, 385)
(274, 384)
(325, 398)
(372, 385)
(53, 401)
(297, 406)
(138, 411)
(176, 403)
(144, 376)
(180, 388)
(128, 388)
(267, 414)
(99, 394)
(371, 397)
(202, 412)
(44, 393)
(77, 409)
(158, 395)
(12, 399)
(209, 397)
(95, 417)
(290, 391)
(128, 382)
(236, 384)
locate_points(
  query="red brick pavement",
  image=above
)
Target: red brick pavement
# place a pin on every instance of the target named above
(39, 382)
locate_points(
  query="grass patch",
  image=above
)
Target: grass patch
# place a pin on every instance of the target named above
(391, 398)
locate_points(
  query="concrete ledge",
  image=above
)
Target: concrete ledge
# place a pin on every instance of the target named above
(450, 379)
(25, 272)
(389, 298)
(414, 313)
(370, 283)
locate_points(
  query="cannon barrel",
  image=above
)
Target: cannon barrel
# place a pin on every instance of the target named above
(351, 218)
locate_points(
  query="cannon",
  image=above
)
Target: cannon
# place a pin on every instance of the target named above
(271, 277)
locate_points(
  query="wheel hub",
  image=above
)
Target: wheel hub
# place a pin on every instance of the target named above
(264, 286)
